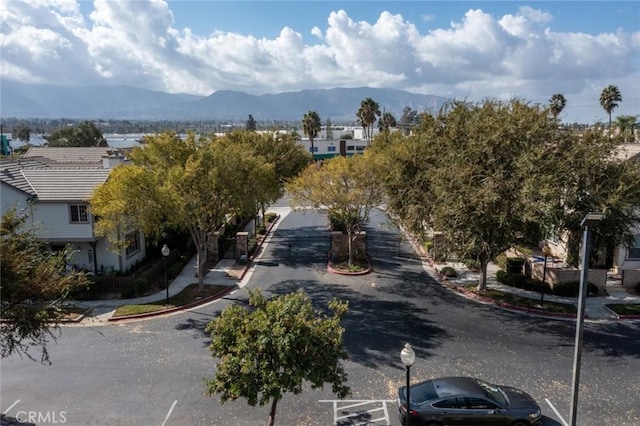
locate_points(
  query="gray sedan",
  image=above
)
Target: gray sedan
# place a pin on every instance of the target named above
(467, 401)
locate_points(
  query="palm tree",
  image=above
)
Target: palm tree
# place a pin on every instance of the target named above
(386, 121)
(609, 99)
(557, 104)
(311, 126)
(367, 113)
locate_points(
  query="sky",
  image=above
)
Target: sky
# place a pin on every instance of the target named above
(455, 49)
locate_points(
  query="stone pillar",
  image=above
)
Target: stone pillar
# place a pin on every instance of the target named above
(242, 245)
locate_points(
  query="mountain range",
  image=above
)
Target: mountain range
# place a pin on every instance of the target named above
(20, 100)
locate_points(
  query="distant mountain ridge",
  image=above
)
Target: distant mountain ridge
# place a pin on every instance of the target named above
(21, 100)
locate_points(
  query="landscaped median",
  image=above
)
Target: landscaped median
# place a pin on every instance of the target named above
(625, 310)
(186, 299)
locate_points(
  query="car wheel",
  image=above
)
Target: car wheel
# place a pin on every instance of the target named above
(520, 423)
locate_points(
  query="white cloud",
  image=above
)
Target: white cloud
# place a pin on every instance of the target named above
(480, 55)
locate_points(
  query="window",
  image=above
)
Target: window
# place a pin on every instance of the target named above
(134, 243)
(359, 148)
(79, 213)
(479, 404)
(349, 147)
(634, 248)
(331, 149)
(315, 149)
(448, 403)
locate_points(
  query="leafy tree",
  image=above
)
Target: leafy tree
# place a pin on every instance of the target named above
(469, 170)
(33, 288)
(409, 119)
(557, 104)
(367, 115)
(626, 125)
(251, 123)
(609, 99)
(187, 184)
(386, 122)
(329, 127)
(346, 186)
(85, 134)
(275, 348)
(311, 126)
(22, 132)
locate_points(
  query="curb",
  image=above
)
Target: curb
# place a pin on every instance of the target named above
(175, 308)
(339, 272)
(258, 248)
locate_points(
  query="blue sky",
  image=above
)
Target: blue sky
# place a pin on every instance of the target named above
(455, 49)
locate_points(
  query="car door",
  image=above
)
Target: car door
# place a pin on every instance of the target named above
(450, 411)
(480, 411)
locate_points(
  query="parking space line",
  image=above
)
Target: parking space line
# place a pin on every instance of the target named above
(12, 405)
(556, 411)
(338, 409)
(169, 413)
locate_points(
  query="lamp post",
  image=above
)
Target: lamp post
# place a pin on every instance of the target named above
(165, 252)
(589, 221)
(546, 251)
(408, 356)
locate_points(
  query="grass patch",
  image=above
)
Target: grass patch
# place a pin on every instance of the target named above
(524, 302)
(625, 309)
(186, 296)
(356, 266)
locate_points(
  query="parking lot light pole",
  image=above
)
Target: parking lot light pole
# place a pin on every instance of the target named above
(589, 221)
(165, 252)
(546, 251)
(408, 356)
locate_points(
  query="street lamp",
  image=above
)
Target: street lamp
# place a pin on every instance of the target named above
(408, 356)
(589, 221)
(165, 252)
(546, 251)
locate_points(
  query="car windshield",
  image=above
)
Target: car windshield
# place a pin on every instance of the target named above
(493, 392)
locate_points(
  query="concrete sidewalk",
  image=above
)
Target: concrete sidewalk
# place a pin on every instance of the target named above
(103, 309)
(595, 306)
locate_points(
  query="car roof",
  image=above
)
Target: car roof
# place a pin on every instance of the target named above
(451, 386)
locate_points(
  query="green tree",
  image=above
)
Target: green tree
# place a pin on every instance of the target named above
(626, 125)
(189, 185)
(274, 348)
(609, 99)
(346, 186)
(22, 132)
(386, 122)
(557, 104)
(85, 134)
(367, 114)
(329, 127)
(470, 172)
(251, 123)
(408, 120)
(311, 126)
(33, 288)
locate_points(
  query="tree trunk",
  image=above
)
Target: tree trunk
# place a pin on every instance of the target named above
(484, 261)
(201, 259)
(272, 412)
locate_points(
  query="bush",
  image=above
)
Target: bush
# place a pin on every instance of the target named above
(270, 217)
(572, 289)
(501, 261)
(127, 292)
(514, 265)
(261, 230)
(513, 280)
(251, 246)
(141, 286)
(449, 272)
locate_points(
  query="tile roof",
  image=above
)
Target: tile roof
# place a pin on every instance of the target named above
(11, 173)
(55, 184)
(69, 155)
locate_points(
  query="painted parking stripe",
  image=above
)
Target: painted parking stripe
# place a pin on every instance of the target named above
(556, 411)
(169, 413)
(12, 405)
(340, 407)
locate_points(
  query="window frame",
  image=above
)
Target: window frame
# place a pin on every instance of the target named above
(633, 251)
(133, 247)
(81, 213)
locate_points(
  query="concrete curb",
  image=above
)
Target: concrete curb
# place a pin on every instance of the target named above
(339, 272)
(188, 306)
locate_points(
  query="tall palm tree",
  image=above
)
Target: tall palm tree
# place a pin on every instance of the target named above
(367, 114)
(311, 126)
(609, 99)
(386, 121)
(557, 104)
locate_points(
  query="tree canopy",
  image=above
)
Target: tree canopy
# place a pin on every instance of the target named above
(347, 187)
(190, 184)
(367, 114)
(275, 347)
(557, 104)
(33, 289)
(609, 99)
(85, 134)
